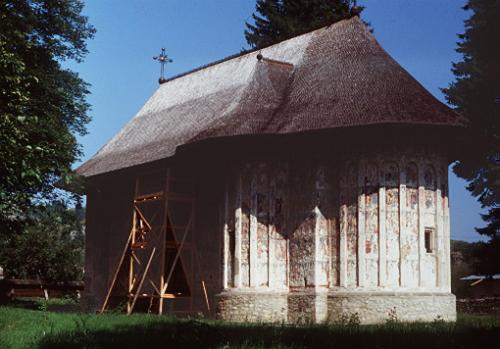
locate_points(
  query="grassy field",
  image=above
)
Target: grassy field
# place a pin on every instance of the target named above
(25, 328)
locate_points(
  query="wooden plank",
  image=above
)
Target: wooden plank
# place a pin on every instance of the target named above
(205, 293)
(132, 253)
(131, 308)
(122, 258)
(164, 239)
(131, 276)
(149, 197)
(144, 295)
(168, 295)
(177, 255)
(154, 286)
(141, 216)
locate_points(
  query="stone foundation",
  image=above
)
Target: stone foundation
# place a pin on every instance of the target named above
(242, 306)
(307, 306)
(318, 307)
(376, 307)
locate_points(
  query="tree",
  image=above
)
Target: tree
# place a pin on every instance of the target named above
(463, 263)
(472, 258)
(476, 94)
(49, 246)
(42, 105)
(278, 20)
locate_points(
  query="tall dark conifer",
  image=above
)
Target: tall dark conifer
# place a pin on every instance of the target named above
(476, 94)
(278, 20)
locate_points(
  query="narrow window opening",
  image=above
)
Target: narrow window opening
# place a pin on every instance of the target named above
(429, 240)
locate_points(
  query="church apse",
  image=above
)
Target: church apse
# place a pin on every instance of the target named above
(309, 240)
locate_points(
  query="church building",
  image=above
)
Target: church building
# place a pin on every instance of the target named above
(303, 182)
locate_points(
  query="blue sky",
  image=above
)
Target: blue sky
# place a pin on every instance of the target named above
(420, 34)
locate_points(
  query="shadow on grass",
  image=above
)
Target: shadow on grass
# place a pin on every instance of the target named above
(22, 303)
(57, 305)
(212, 334)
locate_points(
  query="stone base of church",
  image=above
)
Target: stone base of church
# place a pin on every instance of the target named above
(376, 307)
(252, 306)
(312, 306)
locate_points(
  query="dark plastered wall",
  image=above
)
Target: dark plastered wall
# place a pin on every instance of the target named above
(208, 236)
(96, 244)
(212, 163)
(109, 221)
(108, 224)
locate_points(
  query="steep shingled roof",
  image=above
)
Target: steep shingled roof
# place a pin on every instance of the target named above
(336, 76)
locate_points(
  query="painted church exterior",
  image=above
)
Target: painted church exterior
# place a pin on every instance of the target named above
(305, 182)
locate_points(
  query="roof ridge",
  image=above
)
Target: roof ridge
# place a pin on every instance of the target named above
(250, 51)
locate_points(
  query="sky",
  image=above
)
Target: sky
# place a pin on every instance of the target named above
(419, 34)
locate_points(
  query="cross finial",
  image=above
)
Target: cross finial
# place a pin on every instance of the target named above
(163, 59)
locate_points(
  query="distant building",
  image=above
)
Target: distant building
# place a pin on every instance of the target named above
(302, 182)
(483, 286)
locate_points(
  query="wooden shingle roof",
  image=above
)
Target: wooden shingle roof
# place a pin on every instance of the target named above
(336, 76)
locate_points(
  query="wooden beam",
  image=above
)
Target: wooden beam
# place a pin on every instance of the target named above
(141, 216)
(164, 239)
(138, 291)
(132, 253)
(197, 257)
(115, 276)
(154, 286)
(177, 255)
(149, 197)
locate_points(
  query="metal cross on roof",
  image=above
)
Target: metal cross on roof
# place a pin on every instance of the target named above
(163, 59)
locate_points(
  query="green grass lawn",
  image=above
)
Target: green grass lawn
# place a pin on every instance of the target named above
(25, 328)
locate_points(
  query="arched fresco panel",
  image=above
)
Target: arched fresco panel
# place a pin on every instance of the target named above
(245, 202)
(391, 179)
(278, 239)
(410, 235)
(371, 220)
(260, 198)
(429, 258)
(351, 220)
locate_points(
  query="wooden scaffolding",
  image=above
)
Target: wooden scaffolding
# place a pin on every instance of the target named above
(159, 258)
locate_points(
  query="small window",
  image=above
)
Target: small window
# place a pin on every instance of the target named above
(429, 240)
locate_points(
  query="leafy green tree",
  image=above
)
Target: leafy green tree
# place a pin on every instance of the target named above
(42, 105)
(278, 20)
(476, 94)
(50, 245)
